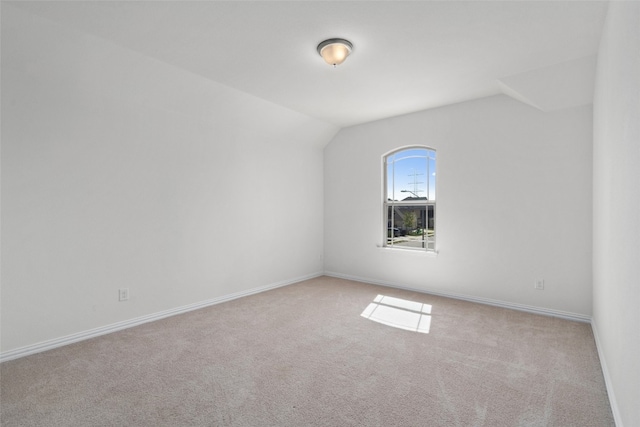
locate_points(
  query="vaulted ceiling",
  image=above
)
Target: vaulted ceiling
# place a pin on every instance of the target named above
(408, 56)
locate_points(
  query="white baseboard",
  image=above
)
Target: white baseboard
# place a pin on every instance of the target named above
(103, 330)
(607, 378)
(497, 303)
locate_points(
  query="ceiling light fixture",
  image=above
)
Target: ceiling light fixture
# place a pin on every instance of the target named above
(335, 51)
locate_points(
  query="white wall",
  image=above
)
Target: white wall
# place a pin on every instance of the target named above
(514, 203)
(616, 207)
(122, 171)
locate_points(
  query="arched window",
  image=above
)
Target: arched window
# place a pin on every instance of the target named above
(410, 198)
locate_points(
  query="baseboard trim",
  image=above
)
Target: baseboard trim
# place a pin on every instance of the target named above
(114, 327)
(617, 418)
(497, 303)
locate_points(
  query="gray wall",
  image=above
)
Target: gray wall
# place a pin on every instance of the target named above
(616, 203)
(122, 171)
(514, 203)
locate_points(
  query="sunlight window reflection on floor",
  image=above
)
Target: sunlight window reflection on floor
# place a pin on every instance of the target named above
(399, 313)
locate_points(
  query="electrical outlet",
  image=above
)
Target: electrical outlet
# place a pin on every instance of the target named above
(123, 294)
(539, 284)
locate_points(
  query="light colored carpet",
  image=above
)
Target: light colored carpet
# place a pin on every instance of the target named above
(302, 355)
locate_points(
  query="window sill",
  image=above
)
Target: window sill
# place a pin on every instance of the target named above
(418, 252)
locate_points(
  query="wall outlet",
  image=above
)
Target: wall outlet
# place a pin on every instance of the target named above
(539, 284)
(123, 294)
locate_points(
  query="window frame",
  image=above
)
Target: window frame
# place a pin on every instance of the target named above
(430, 243)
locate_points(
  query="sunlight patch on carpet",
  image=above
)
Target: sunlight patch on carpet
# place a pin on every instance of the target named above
(399, 313)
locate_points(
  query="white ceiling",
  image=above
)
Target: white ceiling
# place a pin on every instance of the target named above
(408, 56)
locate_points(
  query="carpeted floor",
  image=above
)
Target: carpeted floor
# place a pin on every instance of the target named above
(303, 355)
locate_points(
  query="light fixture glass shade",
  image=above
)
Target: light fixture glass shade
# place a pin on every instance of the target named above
(335, 51)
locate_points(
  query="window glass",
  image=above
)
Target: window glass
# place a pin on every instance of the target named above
(410, 196)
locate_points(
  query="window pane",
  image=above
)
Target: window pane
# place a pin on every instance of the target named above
(411, 175)
(390, 178)
(411, 226)
(430, 233)
(431, 173)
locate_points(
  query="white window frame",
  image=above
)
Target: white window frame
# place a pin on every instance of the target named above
(430, 242)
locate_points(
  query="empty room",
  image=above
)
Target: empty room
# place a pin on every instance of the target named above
(320, 213)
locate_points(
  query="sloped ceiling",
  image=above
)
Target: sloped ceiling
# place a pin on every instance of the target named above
(408, 56)
(555, 87)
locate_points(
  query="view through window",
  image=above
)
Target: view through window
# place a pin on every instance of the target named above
(410, 198)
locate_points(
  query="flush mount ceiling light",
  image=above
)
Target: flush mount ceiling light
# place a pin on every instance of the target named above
(335, 51)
